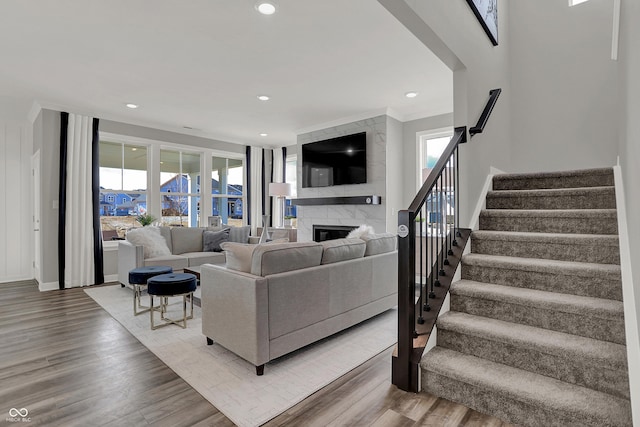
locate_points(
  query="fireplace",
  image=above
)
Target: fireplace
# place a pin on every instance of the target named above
(330, 232)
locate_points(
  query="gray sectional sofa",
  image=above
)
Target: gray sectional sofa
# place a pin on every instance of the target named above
(185, 246)
(271, 299)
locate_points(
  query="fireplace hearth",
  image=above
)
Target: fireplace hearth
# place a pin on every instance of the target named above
(330, 232)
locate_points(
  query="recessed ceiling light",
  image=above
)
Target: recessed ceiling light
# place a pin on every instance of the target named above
(264, 134)
(266, 7)
(132, 106)
(263, 97)
(411, 94)
(134, 149)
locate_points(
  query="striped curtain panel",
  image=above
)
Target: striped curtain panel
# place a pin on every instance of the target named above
(80, 260)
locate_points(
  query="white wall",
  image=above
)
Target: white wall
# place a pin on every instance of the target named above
(16, 254)
(394, 176)
(452, 32)
(564, 86)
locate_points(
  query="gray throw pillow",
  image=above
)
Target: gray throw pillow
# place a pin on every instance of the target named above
(211, 240)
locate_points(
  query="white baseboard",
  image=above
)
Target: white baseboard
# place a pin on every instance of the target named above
(482, 199)
(628, 298)
(48, 286)
(110, 278)
(14, 279)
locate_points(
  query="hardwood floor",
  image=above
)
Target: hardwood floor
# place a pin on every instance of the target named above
(68, 362)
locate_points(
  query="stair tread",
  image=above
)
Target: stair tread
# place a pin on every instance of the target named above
(586, 269)
(530, 236)
(559, 344)
(535, 389)
(554, 174)
(549, 213)
(551, 192)
(567, 303)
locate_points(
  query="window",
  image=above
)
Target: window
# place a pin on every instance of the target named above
(290, 211)
(123, 185)
(440, 203)
(180, 188)
(227, 190)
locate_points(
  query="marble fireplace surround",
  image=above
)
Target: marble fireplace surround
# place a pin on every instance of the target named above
(356, 214)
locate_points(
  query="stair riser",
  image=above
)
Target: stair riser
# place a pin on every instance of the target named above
(598, 287)
(585, 373)
(500, 405)
(587, 201)
(611, 330)
(560, 251)
(604, 180)
(549, 225)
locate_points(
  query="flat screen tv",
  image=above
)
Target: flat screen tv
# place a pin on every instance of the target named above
(336, 161)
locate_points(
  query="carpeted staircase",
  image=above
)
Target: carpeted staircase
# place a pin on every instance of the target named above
(535, 335)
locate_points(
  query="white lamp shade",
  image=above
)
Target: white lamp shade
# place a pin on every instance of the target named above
(279, 189)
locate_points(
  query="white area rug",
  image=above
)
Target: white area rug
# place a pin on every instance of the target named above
(229, 382)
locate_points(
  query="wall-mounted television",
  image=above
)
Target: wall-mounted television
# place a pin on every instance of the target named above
(335, 161)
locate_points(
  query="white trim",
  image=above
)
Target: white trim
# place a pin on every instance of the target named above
(628, 298)
(48, 286)
(111, 278)
(110, 245)
(347, 120)
(482, 200)
(615, 36)
(34, 111)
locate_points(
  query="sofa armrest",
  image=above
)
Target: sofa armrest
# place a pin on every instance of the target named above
(235, 312)
(129, 257)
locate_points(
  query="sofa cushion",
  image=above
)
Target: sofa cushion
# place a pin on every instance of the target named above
(341, 250)
(186, 239)
(238, 255)
(272, 258)
(150, 238)
(199, 258)
(177, 262)
(211, 240)
(166, 233)
(380, 243)
(239, 234)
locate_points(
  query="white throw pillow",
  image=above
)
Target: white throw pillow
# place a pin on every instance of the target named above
(360, 232)
(150, 238)
(238, 255)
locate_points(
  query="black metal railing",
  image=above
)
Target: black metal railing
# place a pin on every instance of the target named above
(430, 246)
(484, 117)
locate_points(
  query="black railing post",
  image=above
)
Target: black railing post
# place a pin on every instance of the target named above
(402, 371)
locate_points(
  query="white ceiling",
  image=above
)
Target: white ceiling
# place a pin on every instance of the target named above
(201, 64)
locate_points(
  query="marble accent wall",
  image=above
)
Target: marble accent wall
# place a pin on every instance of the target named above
(374, 215)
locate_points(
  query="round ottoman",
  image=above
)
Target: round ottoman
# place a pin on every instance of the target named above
(138, 278)
(171, 285)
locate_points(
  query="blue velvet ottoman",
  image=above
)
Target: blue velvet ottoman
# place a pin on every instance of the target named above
(138, 278)
(171, 285)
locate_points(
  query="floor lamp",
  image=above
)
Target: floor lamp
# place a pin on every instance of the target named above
(280, 190)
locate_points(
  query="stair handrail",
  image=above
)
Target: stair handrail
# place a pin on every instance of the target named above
(486, 113)
(421, 296)
(404, 374)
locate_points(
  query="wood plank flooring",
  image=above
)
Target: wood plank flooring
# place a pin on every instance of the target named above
(71, 364)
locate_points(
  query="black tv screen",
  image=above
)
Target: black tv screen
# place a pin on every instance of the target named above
(336, 161)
